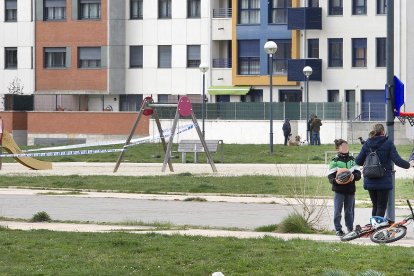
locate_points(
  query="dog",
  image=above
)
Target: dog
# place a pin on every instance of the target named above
(296, 142)
(362, 141)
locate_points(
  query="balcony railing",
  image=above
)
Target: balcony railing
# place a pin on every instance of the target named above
(222, 63)
(222, 13)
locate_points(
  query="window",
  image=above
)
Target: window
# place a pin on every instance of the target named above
(89, 57)
(193, 9)
(359, 52)
(10, 10)
(254, 95)
(249, 57)
(381, 51)
(136, 9)
(381, 6)
(283, 54)
(54, 9)
(335, 52)
(313, 3)
(164, 56)
(359, 7)
(164, 8)
(249, 11)
(333, 96)
(335, 7)
(135, 56)
(313, 48)
(278, 11)
(55, 57)
(89, 9)
(10, 58)
(193, 56)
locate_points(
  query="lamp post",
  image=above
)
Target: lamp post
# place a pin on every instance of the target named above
(203, 68)
(307, 71)
(270, 48)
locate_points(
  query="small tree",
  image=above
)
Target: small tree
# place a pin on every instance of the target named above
(15, 88)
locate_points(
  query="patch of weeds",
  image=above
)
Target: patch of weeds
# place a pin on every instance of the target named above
(316, 158)
(295, 223)
(185, 174)
(67, 159)
(3, 228)
(198, 199)
(266, 228)
(40, 217)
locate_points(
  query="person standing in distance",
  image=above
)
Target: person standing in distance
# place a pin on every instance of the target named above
(286, 130)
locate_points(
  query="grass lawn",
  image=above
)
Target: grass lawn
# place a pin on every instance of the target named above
(57, 253)
(233, 153)
(187, 183)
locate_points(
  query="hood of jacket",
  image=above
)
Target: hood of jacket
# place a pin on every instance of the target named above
(376, 142)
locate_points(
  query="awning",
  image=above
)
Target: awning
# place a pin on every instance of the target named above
(229, 90)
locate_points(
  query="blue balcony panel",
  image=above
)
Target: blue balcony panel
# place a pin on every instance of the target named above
(295, 69)
(305, 18)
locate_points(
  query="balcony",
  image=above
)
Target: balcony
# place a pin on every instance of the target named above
(305, 18)
(295, 69)
(222, 13)
(222, 63)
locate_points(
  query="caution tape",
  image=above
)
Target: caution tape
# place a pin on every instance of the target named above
(61, 153)
(142, 140)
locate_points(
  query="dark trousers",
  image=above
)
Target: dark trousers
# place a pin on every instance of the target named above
(347, 202)
(286, 139)
(379, 199)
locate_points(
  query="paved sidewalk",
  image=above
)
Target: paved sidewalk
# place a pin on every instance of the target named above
(143, 169)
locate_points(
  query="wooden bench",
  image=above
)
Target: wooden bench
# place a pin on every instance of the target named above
(195, 146)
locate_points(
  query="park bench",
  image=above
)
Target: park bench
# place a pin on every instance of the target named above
(333, 153)
(195, 146)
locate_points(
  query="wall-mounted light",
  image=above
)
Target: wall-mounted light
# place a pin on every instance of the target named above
(220, 29)
(220, 79)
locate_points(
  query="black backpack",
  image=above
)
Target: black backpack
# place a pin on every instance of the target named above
(372, 166)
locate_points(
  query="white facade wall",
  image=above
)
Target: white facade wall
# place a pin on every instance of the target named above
(18, 34)
(177, 32)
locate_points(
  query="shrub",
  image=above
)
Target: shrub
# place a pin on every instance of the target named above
(371, 273)
(40, 217)
(295, 223)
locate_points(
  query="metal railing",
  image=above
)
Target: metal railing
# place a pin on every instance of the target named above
(222, 13)
(222, 63)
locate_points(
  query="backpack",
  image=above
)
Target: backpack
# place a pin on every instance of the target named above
(372, 166)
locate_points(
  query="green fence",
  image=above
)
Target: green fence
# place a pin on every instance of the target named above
(260, 111)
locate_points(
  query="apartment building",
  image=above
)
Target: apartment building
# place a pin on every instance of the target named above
(108, 55)
(16, 58)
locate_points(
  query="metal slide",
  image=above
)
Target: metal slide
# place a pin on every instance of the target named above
(10, 146)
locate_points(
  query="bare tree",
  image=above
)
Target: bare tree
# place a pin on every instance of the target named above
(304, 200)
(15, 88)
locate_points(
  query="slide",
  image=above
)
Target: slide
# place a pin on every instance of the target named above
(10, 146)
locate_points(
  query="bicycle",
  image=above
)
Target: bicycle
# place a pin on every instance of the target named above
(377, 223)
(394, 232)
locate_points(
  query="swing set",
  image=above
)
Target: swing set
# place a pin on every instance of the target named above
(184, 109)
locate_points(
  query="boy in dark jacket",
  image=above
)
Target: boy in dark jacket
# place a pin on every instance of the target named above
(344, 197)
(379, 188)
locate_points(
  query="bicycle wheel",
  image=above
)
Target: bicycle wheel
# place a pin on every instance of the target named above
(351, 236)
(387, 235)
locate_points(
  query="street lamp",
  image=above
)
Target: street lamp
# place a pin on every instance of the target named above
(307, 71)
(270, 48)
(203, 68)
